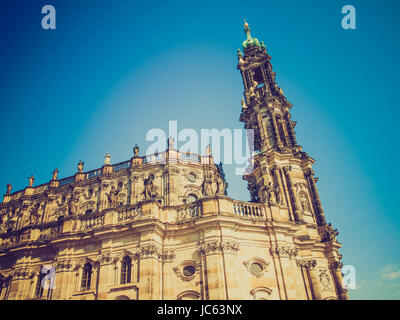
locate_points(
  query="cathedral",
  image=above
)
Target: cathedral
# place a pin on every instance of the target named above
(161, 226)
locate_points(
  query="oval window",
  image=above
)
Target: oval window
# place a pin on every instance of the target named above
(256, 268)
(188, 271)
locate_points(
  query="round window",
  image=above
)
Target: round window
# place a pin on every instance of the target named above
(191, 177)
(256, 268)
(188, 271)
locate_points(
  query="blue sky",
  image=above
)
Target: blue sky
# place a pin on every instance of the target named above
(113, 70)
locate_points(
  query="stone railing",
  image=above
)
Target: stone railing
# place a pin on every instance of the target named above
(189, 212)
(153, 159)
(92, 221)
(247, 209)
(128, 215)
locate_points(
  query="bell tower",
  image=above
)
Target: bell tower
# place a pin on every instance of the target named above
(282, 174)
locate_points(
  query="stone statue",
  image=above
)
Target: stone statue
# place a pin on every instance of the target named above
(244, 106)
(305, 205)
(80, 166)
(149, 188)
(31, 181)
(55, 174)
(170, 143)
(220, 186)
(207, 187)
(73, 204)
(34, 216)
(9, 187)
(107, 159)
(208, 150)
(328, 233)
(268, 193)
(113, 197)
(253, 192)
(136, 151)
(278, 195)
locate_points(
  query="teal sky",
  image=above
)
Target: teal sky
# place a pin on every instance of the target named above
(112, 70)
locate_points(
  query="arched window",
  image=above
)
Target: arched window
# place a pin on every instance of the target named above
(126, 270)
(86, 276)
(39, 287)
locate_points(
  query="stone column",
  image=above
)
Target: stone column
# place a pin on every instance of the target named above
(276, 130)
(285, 132)
(214, 270)
(105, 268)
(232, 264)
(309, 266)
(150, 272)
(317, 201)
(292, 195)
(292, 134)
(335, 268)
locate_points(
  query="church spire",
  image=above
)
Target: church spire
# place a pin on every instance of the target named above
(249, 42)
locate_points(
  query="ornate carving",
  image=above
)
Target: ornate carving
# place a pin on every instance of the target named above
(63, 265)
(187, 270)
(284, 252)
(21, 274)
(336, 265)
(112, 196)
(167, 255)
(328, 233)
(325, 280)
(34, 214)
(208, 187)
(73, 203)
(49, 233)
(268, 194)
(103, 258)
(149, 251)
(306, 264)
(219, 246)
(150, 190)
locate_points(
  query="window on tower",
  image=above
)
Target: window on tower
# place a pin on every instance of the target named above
(258, 76)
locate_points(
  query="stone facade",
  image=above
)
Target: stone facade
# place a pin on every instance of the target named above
(161, 226)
